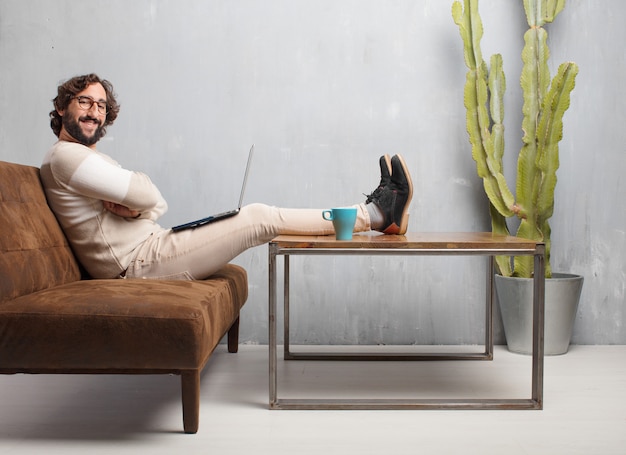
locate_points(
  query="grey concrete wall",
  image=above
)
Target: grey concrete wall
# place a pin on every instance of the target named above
(324, 87)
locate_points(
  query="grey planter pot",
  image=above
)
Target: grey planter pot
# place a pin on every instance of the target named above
(515, 297)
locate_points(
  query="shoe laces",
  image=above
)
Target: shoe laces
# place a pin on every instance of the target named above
(374, 195)
(383, 195)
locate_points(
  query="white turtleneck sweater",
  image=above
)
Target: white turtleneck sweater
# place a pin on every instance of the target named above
(77, 180)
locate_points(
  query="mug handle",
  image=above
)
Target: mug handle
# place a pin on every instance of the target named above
(327, 215)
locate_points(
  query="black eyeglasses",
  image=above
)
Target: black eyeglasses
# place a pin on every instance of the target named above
(85, 103)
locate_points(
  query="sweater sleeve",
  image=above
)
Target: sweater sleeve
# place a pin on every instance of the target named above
(97, 176)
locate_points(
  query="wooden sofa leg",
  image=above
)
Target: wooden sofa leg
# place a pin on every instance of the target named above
(233, 336)
(190, 386)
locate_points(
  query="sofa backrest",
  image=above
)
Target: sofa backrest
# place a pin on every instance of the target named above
(34, 253)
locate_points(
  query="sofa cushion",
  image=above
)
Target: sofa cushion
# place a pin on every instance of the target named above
(34, 253)
(121, 324)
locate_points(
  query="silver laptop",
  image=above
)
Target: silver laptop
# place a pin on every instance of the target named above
(223, 215)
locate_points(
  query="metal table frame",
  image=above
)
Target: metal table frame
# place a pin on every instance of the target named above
(283, 246)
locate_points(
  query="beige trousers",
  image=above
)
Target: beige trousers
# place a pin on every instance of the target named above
(198, 253)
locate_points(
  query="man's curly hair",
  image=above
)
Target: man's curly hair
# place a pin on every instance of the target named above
(75, 85)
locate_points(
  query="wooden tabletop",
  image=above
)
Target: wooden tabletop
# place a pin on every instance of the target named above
(411, 240)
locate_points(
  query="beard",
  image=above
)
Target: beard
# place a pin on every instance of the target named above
(73, 128)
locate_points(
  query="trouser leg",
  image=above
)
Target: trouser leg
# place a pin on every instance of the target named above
(198, 253)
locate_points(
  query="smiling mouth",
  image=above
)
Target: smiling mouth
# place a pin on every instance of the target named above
(93, 121)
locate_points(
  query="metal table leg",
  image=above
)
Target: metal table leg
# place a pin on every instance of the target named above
(390, 356)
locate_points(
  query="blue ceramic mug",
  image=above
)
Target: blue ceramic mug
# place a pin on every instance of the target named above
(343, 220)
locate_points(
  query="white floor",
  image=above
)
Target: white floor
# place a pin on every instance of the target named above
(584, 409)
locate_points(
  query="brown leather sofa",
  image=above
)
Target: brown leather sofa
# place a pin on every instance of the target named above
(54, 321)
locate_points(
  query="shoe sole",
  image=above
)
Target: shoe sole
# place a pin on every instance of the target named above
(404, 223)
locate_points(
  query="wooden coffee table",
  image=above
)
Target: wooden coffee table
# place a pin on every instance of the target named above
(412, 244)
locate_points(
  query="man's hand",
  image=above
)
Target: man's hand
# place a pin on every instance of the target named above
(120, 210)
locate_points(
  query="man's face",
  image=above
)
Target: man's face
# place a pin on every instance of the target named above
(84, 125)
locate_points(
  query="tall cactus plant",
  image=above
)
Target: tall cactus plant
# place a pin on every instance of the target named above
(545, 103)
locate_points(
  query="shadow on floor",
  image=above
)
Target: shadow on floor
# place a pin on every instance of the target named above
(92, 407)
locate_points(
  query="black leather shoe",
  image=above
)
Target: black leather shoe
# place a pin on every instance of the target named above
(385, 178)
(394, 199)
